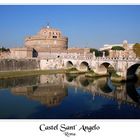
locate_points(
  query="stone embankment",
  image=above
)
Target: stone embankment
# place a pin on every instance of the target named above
(19, 64)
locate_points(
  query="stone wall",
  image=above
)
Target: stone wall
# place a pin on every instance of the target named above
(21, 52)
(79, 50)
(48, 43)
(122, 54)
(19, 64)
(5, 55)
(51, 64)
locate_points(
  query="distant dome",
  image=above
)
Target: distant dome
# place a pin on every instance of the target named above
(125, 42)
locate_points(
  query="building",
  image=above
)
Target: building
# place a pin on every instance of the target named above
(125, 45)
(47, 42)
(21, 52)
(48, 39)
(4, 55)
(50, 43)
(127, 52)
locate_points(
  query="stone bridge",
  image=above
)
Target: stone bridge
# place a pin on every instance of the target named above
(123, 67)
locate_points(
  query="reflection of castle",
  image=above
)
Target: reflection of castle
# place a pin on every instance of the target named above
(50, 91)
(47, 94)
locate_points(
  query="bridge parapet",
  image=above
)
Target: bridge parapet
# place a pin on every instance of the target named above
(118, 58)
(76, 56)
(90, 62)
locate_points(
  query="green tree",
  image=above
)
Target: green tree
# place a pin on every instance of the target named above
(117, 48)
(99, 53)
(106, 52)
(136, 49)
(94, 50)
(3, 49)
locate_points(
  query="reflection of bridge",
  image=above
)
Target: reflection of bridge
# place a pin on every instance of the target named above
(100, 87)
(52, 89)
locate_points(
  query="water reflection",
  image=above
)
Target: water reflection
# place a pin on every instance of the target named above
(17, 82)
(104, 87)
(49, 91)
(52, 89)
(57, 90)
(133, 90)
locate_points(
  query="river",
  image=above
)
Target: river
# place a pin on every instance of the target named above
(63, 96)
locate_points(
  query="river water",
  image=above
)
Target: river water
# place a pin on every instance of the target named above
(63, 96)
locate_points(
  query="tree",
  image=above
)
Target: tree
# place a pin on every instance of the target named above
(94, 50)
(106, 52)
(117, 48)
(99, 53)
(136, 49)
(3, 49)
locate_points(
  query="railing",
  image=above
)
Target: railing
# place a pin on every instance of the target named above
(75, 56)
(88, 57)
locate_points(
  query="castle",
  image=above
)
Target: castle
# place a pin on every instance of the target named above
(48, 41)
(48, 50)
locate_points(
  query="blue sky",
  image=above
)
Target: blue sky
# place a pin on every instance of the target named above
(85, 25)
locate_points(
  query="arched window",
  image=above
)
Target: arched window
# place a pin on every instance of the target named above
(49, 34)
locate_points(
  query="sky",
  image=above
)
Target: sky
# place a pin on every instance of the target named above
(85, 25)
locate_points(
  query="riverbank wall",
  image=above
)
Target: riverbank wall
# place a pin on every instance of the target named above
(19, 64)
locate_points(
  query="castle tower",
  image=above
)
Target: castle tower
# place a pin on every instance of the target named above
(47, 38)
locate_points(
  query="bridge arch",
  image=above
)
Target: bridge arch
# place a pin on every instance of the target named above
(104, 68)
(104, 85)
(69, 64)
(85, 81)
(70, 78)
(84, 66)
(132, 92)
(107, 65)
(131, 71)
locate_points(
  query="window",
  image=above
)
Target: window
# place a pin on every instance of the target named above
(54, 36)
(49, 34)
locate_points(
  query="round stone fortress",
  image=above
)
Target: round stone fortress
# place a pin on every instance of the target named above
(47, 38)
(48, 42)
